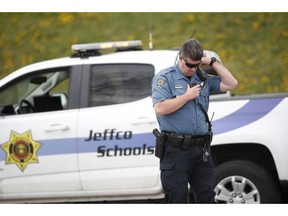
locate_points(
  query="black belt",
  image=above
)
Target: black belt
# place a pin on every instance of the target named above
(185, 141)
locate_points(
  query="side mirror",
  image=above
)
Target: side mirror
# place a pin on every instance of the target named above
(38, 80)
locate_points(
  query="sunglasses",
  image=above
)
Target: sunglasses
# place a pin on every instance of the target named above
(190, 65)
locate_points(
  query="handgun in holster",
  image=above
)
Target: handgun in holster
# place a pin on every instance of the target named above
(160, 143)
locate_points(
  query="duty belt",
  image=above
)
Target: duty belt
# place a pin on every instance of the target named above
(185, 141)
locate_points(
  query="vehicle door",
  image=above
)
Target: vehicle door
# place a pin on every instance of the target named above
(116, 145)
(38, 152)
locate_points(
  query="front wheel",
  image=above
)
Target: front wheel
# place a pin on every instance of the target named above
(244, 182)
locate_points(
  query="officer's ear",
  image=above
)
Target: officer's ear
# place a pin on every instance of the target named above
(181, 58)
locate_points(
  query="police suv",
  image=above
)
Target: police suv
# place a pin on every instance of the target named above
(80, 129)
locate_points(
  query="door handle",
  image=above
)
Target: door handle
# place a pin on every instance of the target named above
(144, 121)
(56, 127)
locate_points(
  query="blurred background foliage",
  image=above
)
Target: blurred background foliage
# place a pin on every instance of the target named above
(252, 45)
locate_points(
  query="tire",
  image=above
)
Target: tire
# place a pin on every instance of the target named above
(244, 182)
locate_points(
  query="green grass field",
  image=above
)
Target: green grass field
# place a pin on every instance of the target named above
(252, 45)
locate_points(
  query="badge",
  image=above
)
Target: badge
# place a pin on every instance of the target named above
(160, 82)
(21, 149)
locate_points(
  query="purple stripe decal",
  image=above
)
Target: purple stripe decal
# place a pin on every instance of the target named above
(249, 113)
(74, 145)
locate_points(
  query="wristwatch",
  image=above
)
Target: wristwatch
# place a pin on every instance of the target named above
(213, 59)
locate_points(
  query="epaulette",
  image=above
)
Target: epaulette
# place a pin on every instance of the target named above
(170, 69)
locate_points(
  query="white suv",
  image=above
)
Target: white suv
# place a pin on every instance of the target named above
(80, 128)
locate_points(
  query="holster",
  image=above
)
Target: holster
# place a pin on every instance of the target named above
(160, 143)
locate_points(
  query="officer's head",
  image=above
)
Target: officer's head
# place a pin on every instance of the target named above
(190, 56)
(191, 49)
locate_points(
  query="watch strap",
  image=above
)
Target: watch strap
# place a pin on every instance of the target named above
(213, 59)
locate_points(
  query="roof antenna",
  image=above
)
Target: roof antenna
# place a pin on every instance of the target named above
(150, 33)
(193, 33)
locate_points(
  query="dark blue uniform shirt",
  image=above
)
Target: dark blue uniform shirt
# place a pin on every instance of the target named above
(189, 119)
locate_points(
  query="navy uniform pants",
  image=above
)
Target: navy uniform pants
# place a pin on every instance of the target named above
(182, 167)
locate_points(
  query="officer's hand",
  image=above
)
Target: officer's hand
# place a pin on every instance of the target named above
(205, 61)
(193, 92)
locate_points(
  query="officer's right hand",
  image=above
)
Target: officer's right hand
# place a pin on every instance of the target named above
(193, 92)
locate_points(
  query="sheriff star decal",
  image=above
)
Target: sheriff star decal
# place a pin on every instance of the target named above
(21, 149)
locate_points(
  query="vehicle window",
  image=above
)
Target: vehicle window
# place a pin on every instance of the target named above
(38, 92)
(119, 83)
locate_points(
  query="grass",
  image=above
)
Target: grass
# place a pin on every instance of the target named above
(252, 45)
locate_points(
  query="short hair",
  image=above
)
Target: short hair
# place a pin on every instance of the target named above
(192, 49)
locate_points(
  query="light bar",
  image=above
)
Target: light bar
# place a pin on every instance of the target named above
(106, 45)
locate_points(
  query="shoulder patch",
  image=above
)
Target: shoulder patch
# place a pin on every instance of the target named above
(161, 82)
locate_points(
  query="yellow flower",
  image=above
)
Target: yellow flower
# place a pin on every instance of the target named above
(65, 18)
(255, 25)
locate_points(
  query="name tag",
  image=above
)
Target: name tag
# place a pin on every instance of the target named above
(178, 87)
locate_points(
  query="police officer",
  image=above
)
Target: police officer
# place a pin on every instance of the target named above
(180, 109)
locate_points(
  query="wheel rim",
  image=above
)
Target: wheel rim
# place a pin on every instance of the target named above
(236, 190)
